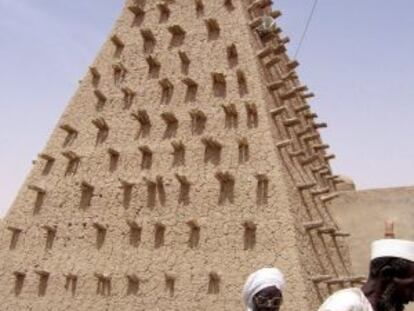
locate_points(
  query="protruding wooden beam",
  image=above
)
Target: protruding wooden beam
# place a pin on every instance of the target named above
(305, 130)
(320, 125)
(256, 22)
(284, 143)
(291, 122)
(297, 153)
(311, 137)
(309, 160)
(276, 14)
(320, 147)
(276, 111)
(341, 234)
(281, 48)
(332, 177)
(356, 279)
(319, 168)
(310, 115)
(289, 75)
(312, 225)
(265, 52)
(273, 86)
(284, 40)
(325, 172)
(292, 64)
(329, 197)
(320, 191)
(301, 108)
(289, 94)
(329, 157)
(307, 95)
(259, 4)
(37, 189)
(46, 157)
(327, 230)
(305, 186)
(339, 280)
(389, 229)
(272, 62)
(321, 278)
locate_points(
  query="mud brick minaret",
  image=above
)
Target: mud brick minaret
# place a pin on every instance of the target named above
(188, 157)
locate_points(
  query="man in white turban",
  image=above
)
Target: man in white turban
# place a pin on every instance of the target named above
(263, 290)
(390, 284)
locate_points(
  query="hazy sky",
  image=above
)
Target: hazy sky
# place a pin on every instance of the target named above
(357, 58)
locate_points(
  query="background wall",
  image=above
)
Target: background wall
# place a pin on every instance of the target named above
(362, 213)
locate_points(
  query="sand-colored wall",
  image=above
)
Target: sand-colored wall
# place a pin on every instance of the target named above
(277, 190)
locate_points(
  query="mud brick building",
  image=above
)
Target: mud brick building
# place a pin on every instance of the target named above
(188, 157)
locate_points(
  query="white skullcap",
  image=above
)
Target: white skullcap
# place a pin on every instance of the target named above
(393, 248)
(259, 280)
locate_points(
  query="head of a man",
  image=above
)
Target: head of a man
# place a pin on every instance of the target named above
(268, 299)
(395, 279)
(263, 290)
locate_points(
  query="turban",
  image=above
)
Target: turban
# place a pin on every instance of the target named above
(393, 248)
(266, 277)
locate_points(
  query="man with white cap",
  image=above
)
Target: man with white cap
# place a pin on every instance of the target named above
(390, 284)
(263, 290)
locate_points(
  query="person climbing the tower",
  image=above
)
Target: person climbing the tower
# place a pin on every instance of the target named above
(390, 284)
(263, 290)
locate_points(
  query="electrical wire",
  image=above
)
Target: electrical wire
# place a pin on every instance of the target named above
(302, 39)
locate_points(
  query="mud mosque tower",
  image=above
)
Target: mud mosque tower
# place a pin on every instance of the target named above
(188, 157)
